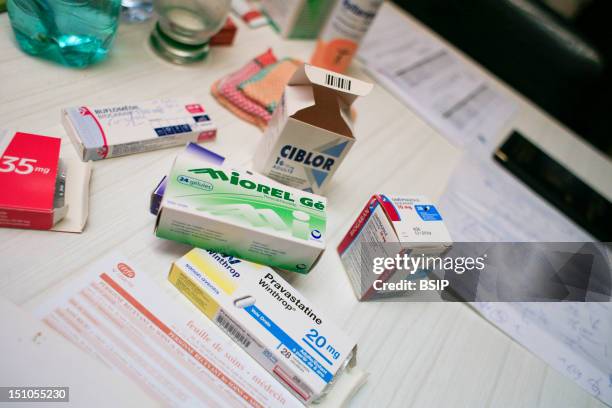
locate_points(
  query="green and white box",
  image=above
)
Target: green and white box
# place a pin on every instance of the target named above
(297, 18)
(241, 213)
(311, 131)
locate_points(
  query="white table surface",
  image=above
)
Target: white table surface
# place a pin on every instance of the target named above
(417, 354)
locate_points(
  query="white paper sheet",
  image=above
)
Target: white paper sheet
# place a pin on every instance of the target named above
(126, 321)
(423, 73)
(118, 314)
(35, 355)
(485, 203)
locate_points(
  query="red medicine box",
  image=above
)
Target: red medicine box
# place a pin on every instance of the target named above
(28, 172)
(226, 35)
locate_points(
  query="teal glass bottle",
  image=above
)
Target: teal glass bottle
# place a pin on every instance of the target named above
(75, 33)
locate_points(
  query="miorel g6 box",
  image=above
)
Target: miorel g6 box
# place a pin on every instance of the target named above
(281, 329)
(241, 213)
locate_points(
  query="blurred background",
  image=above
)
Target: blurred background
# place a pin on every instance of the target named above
(557, 53)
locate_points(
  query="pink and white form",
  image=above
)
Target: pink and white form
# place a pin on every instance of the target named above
(162, 343)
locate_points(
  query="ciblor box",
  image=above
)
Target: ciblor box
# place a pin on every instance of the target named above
(311, 131)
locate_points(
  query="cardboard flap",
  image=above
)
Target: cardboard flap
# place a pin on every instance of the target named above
(346, 87)
(345, 388)
(325, 113)
(297, 98)
(78, 175)
(59, 213)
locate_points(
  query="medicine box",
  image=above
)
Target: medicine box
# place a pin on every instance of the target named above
(158, 193)
(241, 213)
(311, 131)
(301, 19)
(101, 132)
(389, 225)
(281, 329)
(29, 166)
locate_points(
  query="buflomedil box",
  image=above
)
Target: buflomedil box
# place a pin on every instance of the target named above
(271, 320)
(101, 132)
(241, 213)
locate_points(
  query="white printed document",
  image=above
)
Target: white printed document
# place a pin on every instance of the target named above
(422, 72)
(118, 314)
(484, 203)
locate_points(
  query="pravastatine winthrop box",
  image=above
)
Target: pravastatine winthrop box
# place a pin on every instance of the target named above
(241, 213)
(281, 329)
(102, 132)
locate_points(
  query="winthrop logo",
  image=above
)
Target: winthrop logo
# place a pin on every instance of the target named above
(311, 159)
(226, 261)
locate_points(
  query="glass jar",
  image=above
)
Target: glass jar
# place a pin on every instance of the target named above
(185, 27)
(72, 32)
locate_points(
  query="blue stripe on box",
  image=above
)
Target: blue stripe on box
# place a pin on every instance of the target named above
(291, 344)
(317, 351)
(172, 130)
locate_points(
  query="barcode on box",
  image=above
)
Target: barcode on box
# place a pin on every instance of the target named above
(338, 82)
(233, 330)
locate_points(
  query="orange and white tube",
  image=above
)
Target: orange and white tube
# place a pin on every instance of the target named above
(341, 35)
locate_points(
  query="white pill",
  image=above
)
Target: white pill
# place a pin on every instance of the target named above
(244, 301)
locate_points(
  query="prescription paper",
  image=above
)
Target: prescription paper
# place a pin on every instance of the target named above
(118, 314)
(423, 72)
(47, 353)
(485, 203)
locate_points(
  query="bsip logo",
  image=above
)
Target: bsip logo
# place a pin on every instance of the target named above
(316, 234)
